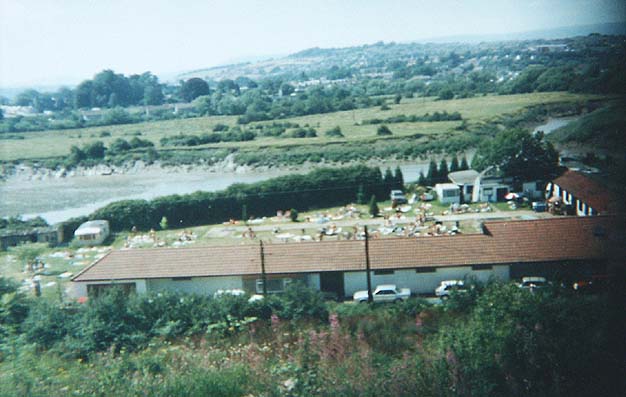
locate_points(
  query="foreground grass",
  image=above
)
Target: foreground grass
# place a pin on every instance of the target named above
(46, 144)
(496, 340)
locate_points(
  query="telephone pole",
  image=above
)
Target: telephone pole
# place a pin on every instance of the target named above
(370, 297)
(263, 275)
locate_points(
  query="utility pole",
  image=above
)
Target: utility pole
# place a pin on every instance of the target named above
(263, 275)
(370, 298)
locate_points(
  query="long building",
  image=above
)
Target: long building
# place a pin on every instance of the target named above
(567, 247)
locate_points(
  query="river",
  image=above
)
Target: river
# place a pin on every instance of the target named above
(59, 198)
(554, 123)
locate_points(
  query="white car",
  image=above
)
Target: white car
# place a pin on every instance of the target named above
(533, 282)
(220, 293)
(447, 286)
(398, 197)
(384, 293)
(229, 292)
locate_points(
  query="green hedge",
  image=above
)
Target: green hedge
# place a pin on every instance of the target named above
(318, 189)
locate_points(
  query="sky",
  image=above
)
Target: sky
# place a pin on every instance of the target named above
(67, 41)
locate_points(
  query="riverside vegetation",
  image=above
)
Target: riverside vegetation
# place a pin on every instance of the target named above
(549, 343)
(416, 126)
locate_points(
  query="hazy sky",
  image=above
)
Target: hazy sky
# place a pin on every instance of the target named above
(66, 41)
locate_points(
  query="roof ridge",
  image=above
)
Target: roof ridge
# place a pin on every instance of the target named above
(570, 218)
(90, 266)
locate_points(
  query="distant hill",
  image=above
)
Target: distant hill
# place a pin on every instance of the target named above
(618, 28)
(312, 58)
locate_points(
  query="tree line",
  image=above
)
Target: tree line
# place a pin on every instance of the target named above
(320, 188)
(439, 174)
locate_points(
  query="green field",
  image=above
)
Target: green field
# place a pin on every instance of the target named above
(57, 143)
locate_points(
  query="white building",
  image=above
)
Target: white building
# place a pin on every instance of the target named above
(489, 188)
(465, 181)
(582, 195)
(505, 250)
(92, 232)
(448, 193)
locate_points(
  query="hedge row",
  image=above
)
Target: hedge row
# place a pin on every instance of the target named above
(318, 189)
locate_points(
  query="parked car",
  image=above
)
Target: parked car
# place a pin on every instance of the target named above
(384, 293)
(533, 282)
(398, 197)
(220, 293)
(447, 286)
(229, 292)
(427, 196)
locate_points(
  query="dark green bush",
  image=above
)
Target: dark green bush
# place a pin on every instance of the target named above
(299, 302)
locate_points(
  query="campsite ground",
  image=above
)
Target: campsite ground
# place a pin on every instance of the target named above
(65, 261)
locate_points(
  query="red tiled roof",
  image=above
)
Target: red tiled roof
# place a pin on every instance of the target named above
(555, 239)
(586, 189)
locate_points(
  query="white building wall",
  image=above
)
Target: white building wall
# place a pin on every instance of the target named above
(354, 281)
(197, 285)
(422, 283)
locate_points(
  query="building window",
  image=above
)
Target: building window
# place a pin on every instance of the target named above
(426, 270)
(450, 193)
(382, 272)
(94, 290)
(273, 285)
(181, 278)
(482, 267)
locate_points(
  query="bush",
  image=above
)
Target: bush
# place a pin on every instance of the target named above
(220, 127)
(299, 302)
(543, 344)
(383, 130)
(47, 323)
(334, 132)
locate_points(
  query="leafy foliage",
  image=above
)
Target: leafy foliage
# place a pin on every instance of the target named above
(332, 187)
(500, 341)
(518, 154)
(383, 130)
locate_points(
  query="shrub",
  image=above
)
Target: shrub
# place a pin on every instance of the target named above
(47, 323)
(298, 302)
(373, 207)
(383, 130)
(220, 127)
(334, 132)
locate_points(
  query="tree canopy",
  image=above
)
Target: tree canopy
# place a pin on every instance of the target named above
(519, 154)
(193, 88)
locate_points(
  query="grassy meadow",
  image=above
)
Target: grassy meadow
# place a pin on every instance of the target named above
(57, 143)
